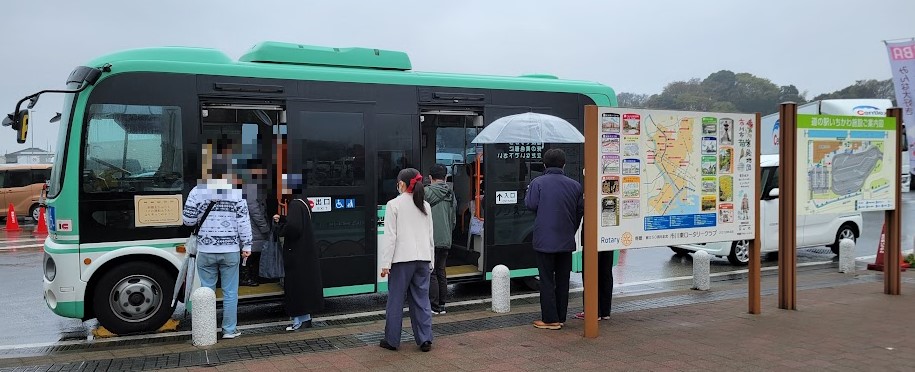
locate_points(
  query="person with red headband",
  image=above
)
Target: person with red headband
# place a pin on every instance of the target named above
(406, 260)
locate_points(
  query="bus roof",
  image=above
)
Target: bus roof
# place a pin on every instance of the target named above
(356, 65)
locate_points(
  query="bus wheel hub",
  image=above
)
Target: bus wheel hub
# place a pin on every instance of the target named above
(135, 298)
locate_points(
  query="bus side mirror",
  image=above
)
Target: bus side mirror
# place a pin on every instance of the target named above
(21, 125)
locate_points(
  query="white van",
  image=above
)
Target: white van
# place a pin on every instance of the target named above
(812, 231)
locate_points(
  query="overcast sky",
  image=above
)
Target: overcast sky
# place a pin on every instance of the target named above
(632, 46)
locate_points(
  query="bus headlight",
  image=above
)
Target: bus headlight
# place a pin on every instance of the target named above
(50, 268)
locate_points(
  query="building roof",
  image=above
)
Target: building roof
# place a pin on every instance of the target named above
(31, 151)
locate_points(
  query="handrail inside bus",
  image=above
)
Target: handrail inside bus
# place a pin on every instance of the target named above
(477, 188)
(280, 161)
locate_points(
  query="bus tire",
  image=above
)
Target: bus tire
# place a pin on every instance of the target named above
(134, 297)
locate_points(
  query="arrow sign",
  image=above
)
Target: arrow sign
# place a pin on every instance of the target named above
(506, 197)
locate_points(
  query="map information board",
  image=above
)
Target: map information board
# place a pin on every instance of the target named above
(672, 177)
(845, 164)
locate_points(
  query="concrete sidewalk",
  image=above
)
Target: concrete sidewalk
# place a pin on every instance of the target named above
(844, 323)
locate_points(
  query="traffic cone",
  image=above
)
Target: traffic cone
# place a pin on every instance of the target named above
(881, 253)
(42, 226)
(12, 224)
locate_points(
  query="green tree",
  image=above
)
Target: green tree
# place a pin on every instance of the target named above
(682, 95)
(755, 94)
(790, 93)
(720, 85)
(633, 100)
(863, 89)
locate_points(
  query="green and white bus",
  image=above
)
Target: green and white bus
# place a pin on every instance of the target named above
(136, 134)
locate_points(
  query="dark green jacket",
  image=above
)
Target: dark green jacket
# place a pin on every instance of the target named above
(441, 199)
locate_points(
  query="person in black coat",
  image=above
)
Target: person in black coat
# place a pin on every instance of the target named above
(302, 284)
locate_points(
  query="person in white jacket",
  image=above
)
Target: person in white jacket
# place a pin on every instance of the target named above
(225, 229)
(406, 259)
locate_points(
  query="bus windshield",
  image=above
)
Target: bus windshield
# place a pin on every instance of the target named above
(55, 183)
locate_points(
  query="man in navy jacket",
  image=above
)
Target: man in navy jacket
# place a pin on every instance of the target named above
(558, 203)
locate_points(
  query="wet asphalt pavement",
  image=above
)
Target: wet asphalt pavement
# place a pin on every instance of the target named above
(27, 320)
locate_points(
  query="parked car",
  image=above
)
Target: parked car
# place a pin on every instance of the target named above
(21, 185)
(812, 230)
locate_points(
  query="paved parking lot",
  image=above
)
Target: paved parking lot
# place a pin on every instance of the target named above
(844, 322)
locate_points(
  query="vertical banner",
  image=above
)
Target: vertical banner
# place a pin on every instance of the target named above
(902, 64)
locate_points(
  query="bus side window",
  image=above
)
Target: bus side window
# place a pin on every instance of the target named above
(133, 148)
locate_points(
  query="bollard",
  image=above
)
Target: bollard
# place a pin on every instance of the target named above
(501, 289)
(846, 256)
(203, 317)
(701, 270)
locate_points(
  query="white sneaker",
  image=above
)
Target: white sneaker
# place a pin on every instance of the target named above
(294, 327)
(231, 335)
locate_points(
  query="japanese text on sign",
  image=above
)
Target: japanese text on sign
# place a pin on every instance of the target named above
(522, 151)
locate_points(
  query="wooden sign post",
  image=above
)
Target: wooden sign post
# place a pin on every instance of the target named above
(787, 206)
(753, 290)
(589, 243)
(892, 274)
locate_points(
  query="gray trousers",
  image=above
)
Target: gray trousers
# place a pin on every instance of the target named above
(408, 281)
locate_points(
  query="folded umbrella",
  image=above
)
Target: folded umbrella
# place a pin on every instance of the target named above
(186, 272)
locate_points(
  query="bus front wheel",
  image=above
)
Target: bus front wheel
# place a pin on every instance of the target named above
(134, 297)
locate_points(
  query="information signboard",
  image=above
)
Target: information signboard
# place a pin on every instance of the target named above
(671, 177)
(845, 164)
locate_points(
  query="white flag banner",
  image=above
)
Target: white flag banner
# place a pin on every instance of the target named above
(902, 62)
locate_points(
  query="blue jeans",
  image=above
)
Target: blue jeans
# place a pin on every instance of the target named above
(211, 266)
(301, 319)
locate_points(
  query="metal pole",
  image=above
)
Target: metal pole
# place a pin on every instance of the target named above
(589, 243)
(893, 251)
(787, 207)
(756, 247)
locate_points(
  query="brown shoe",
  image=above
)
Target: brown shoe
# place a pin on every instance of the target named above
(539, 324)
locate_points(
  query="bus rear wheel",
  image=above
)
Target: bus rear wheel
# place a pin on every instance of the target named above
(134, 297)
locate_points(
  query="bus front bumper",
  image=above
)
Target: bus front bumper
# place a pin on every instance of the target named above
(62, 300)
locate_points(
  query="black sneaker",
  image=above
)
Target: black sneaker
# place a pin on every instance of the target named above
(386, 345)
(426, 346)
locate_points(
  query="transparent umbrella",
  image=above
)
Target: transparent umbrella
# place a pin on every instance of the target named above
(529, 127)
